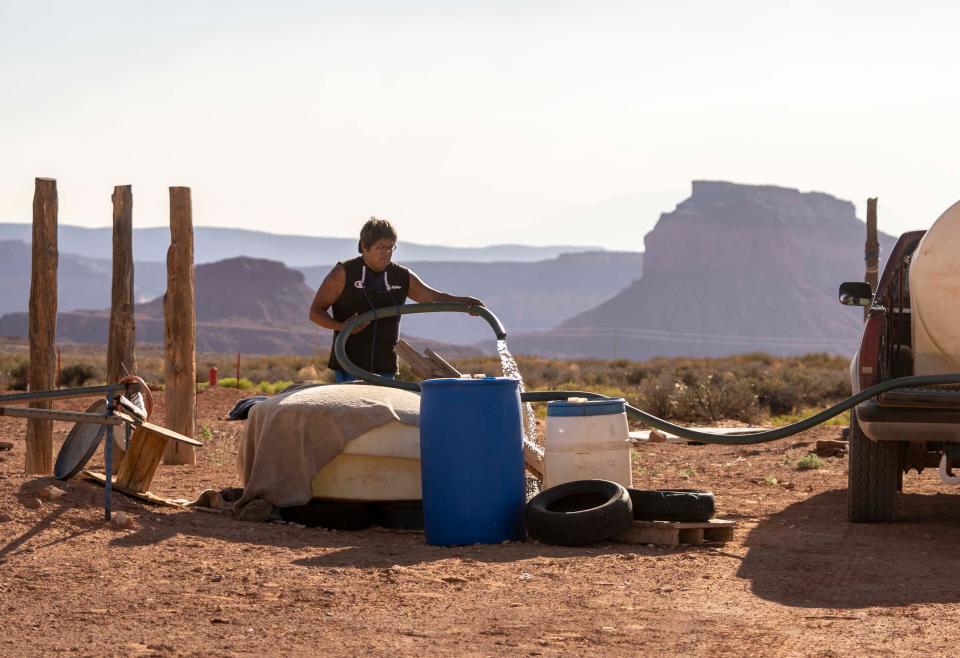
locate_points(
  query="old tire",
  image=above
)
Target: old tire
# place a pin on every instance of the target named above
(332, 514)
(872, 477)
(683, 505)
(579, 512)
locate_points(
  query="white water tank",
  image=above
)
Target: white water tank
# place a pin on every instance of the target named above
(382, 464)
(935, 297)
(586, 440)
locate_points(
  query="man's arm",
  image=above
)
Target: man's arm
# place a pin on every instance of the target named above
(327, 295)
(421, 292)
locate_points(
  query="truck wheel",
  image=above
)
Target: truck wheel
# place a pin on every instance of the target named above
(873, 474)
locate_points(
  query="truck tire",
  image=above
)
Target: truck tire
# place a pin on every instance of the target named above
(872, 477)
(680, 505)
(579, 512)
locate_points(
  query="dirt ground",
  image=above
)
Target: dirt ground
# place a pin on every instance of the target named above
(797, 580)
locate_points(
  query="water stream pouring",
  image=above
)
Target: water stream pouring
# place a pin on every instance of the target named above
(765, 436)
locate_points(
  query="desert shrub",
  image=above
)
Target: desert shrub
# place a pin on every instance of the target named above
(231, 382)
(18, 376)
(77, 374)
(272, 388)
(777, 395)
(719, 396)
(655, 396)
(809, 462)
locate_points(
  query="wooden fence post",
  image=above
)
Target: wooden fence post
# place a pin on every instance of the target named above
(43, 321)
(121, 351)
(179, 329)
(871, 249)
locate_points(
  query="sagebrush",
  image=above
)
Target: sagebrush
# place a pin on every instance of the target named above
(746, 387)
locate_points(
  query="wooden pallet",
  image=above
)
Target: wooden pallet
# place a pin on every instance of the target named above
(671, 533)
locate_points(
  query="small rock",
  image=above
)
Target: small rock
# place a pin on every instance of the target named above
(526, 576)
(219, 620)
(454, 579)
(33, 503)
(52, 493)
(123, 520)
(657, 437)
(216, 578)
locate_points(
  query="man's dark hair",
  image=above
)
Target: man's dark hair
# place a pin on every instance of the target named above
(375, 229)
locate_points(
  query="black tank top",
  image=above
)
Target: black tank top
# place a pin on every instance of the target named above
(365, 290)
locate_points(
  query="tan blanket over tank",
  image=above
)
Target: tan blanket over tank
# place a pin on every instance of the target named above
(291, 436)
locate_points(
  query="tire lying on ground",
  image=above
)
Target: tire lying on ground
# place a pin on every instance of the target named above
(333, 514)
(682, 505)
(579, 512)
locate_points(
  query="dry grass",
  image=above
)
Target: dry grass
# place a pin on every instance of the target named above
(749, 388)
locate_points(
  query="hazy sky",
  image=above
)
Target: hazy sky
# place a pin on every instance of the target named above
(469, 122)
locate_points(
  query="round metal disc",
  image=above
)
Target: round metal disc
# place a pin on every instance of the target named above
(80, 444)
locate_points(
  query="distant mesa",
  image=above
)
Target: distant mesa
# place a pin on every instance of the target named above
(251, 292)
(248, 305)
(734, 268)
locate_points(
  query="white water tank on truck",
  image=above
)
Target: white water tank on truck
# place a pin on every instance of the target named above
(934, 281)
(586, 440)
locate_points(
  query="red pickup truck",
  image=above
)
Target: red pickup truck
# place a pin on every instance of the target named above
(910, 428)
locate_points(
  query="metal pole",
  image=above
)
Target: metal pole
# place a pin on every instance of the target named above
(108, 462)
(871, 249)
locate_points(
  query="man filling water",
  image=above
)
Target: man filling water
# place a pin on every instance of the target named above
(367, 282)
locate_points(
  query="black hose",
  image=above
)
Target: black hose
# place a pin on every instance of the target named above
(340, 344)
(340, 351)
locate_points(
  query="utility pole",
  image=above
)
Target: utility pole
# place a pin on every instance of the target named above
(871, 249)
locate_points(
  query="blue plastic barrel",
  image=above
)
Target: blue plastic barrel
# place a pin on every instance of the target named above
(471, 458)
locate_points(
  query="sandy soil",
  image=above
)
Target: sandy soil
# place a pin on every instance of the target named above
(797, 580)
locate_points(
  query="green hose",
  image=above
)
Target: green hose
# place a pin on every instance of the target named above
(339, 348)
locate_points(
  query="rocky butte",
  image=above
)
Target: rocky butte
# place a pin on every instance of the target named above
(733, 269)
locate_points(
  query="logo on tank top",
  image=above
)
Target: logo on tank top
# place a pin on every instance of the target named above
(359, 283)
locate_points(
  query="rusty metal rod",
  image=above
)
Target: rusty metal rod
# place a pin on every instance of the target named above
(57, 414)
(66, 393)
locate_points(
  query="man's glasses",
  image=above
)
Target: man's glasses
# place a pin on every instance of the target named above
(381, 249)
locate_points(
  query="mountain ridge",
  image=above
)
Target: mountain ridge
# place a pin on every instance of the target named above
(213, 244)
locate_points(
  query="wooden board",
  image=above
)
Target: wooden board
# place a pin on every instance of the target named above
(442, 364)
(168, 433)
(139, 495)
(644, 436)
(140, 462)
(670, 533)
(533, 458)
(421, 366)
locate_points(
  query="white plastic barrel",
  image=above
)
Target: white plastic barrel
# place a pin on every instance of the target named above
(586, 440)
(935, 297)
